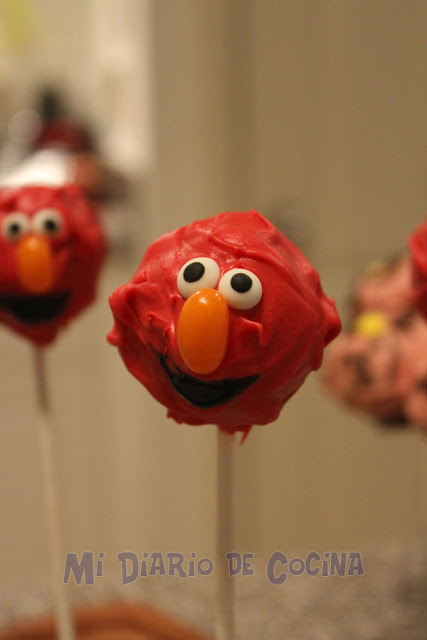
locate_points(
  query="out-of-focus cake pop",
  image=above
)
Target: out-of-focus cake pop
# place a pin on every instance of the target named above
(51, 251)
(76, 141)
(378, 366)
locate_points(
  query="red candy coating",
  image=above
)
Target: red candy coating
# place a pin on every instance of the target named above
(51, 251)
(418, 246)
(271, 345)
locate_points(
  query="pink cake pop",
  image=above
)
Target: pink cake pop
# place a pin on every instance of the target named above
(223, 321)
(379, 366)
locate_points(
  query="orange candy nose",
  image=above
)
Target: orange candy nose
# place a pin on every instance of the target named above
(202, 331)
(35, 264)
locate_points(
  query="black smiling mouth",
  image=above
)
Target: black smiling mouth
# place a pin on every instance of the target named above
(34, 309)
(201, 393)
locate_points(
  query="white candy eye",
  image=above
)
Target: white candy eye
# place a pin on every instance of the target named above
(241, 288)
(14, 226)
(48, 222)
(196, 274)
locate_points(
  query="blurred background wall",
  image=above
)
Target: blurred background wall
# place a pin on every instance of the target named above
(311, 112)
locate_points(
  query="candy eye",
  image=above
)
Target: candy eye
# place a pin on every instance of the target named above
(196, 274)
(48, 222)
(241, 288)
(14, 226)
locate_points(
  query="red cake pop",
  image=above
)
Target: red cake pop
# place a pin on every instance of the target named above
(51, 251)
(418, 246)
(223, 321)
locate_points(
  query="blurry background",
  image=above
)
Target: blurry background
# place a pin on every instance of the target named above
(311, 112)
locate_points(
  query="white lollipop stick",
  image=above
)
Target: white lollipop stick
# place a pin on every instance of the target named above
(224, 622)
(62, 610)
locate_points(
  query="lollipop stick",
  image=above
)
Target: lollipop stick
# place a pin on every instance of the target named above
(64, 623)
(224, 587)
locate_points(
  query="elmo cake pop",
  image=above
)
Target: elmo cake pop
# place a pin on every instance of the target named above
(51, 251)
(223, 321)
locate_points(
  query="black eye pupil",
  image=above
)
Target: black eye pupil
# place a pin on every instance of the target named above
(194, 272)
(241, 282)
(50, 225)
(15, 228)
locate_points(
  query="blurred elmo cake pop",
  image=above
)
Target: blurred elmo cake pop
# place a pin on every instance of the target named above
(51, 251)
(418, 246)
(223, 321)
